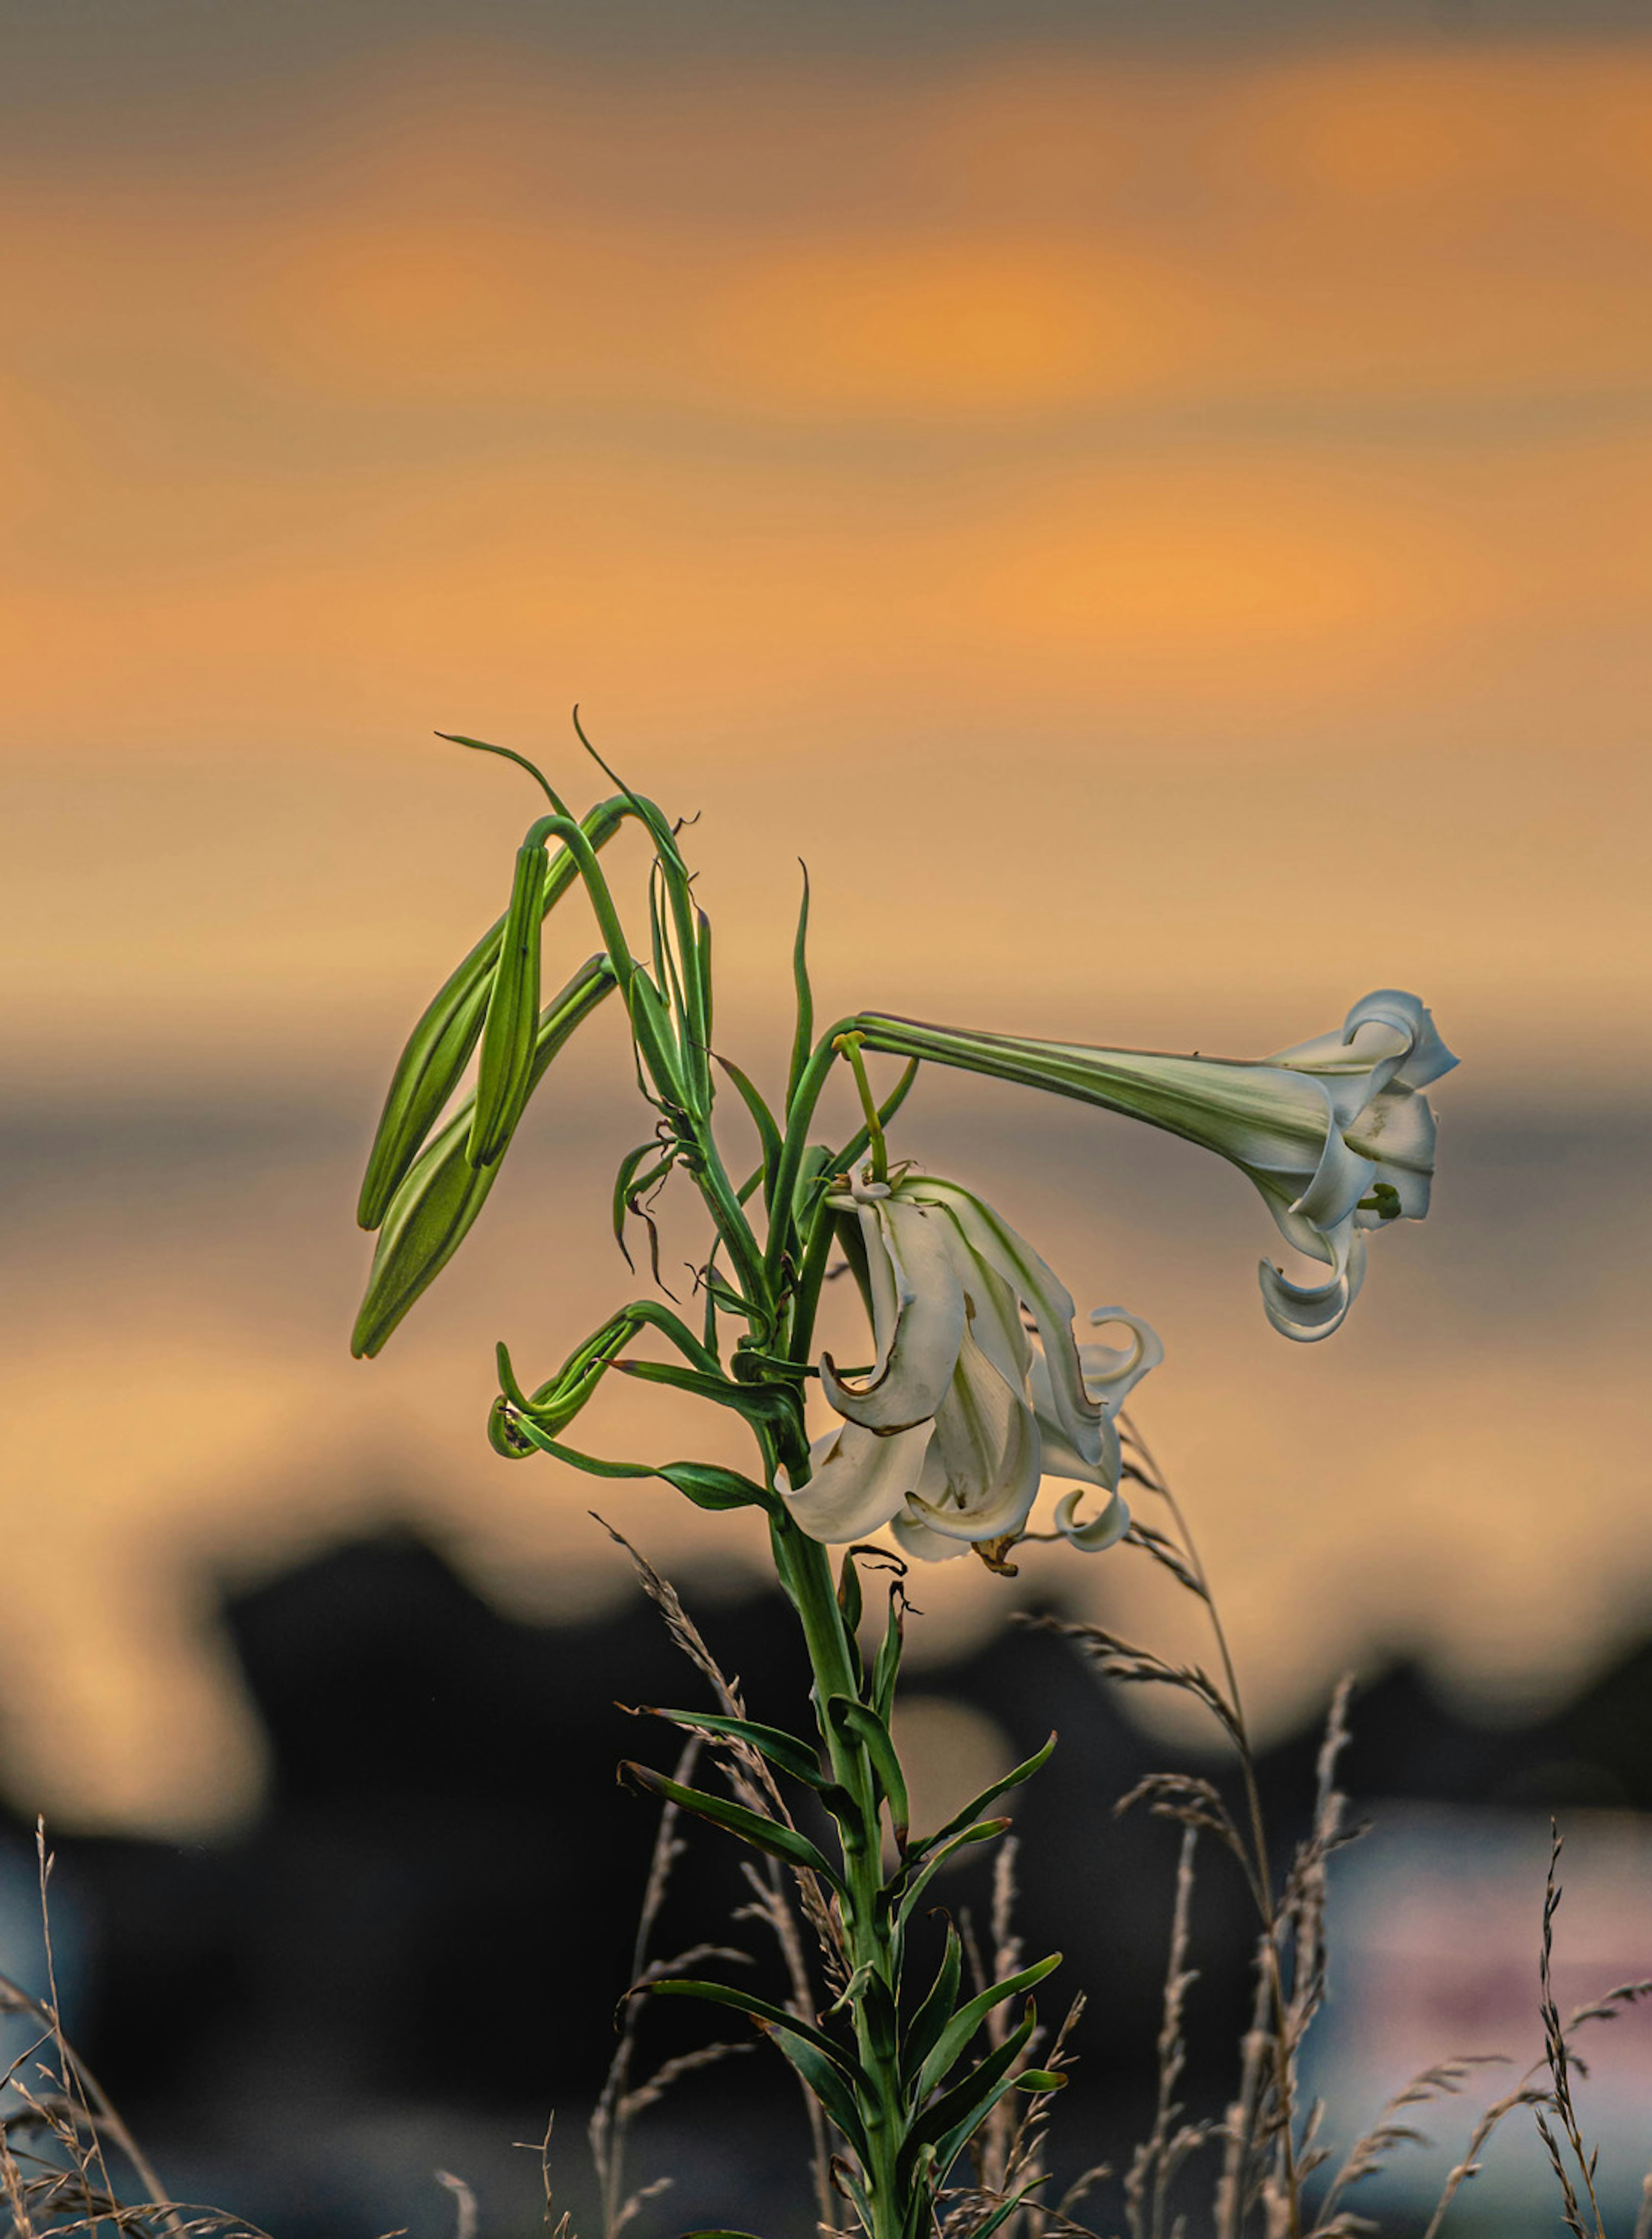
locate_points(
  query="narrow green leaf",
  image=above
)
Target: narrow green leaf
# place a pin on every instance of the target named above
(848, 1593)
(950, 2045)
(873, 1736)
(706, 1484)
(923, 2031)
(509, 754)
(1006, 2209)
(828, 2085)
(1013, 1779)
(763, 1402)
(886, 1665)
(784, 1749)
(629, 1183)
(709, 1485)
(750, 1827)
(1041, 2079)
(987, 1832)
(948, 2124)
(803, 1033)
(651, 1030)
(766, 2014)
(762, 1118)
(505, 1065)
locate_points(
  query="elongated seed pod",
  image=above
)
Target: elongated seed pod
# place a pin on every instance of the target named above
(432, 1210)
(439, 1047)
(510, 1031)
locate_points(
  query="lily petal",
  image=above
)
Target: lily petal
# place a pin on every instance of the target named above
(917, 1357)
(1112, 1372)
(1103, 1531)
(991, 1239)
(1310, 1311)
(859, 1481)
(987, 1442)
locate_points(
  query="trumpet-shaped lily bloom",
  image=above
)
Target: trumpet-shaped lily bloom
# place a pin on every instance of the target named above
(1333, 1132)
(950, 1433)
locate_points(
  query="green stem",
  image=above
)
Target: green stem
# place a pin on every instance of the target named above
(849, 1045)
(805, 1570)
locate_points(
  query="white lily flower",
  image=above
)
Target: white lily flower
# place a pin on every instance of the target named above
(1333, 1132)
(950, 1433)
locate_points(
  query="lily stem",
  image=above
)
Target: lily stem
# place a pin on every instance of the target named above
(849, 1045)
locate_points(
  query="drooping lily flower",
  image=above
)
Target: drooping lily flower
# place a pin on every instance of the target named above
(950, 1432)
(1332, 1132)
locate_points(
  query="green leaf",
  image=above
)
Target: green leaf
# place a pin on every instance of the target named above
(709, 1485)
(954, 2117)
(849, 1592)
(950, 2045)
(706, 1484)
(1013, 1779)
(869, 1729)
(923, 2031)
(784, 1749)
(509, 754)
(437, 1200)
(505, 1066)
(767, 1403)
(629, 1183)
(987, 1832)
(762, 1119)
(765, 2015)
(1006, 2209)
(886, 1665)
(1041, 2079)
(651, 1031)
(802, 1033)
(827, 2084)
(751, 1827)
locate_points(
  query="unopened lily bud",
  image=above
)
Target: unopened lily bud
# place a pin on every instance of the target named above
(439, 1047)
(508, 1036)
(432, 1211)
(426, 1076)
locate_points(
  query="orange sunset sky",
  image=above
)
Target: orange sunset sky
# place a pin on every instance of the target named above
(1160, 524)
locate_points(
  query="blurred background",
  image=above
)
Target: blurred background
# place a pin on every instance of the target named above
(1152, 504)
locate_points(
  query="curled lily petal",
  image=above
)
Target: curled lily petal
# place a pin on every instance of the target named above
(917, 1350)
(1103, 1531)
(859, 1482)
(1112, 1372)
(1309, 1312)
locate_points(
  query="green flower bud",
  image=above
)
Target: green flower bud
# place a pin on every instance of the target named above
(508, 1037)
